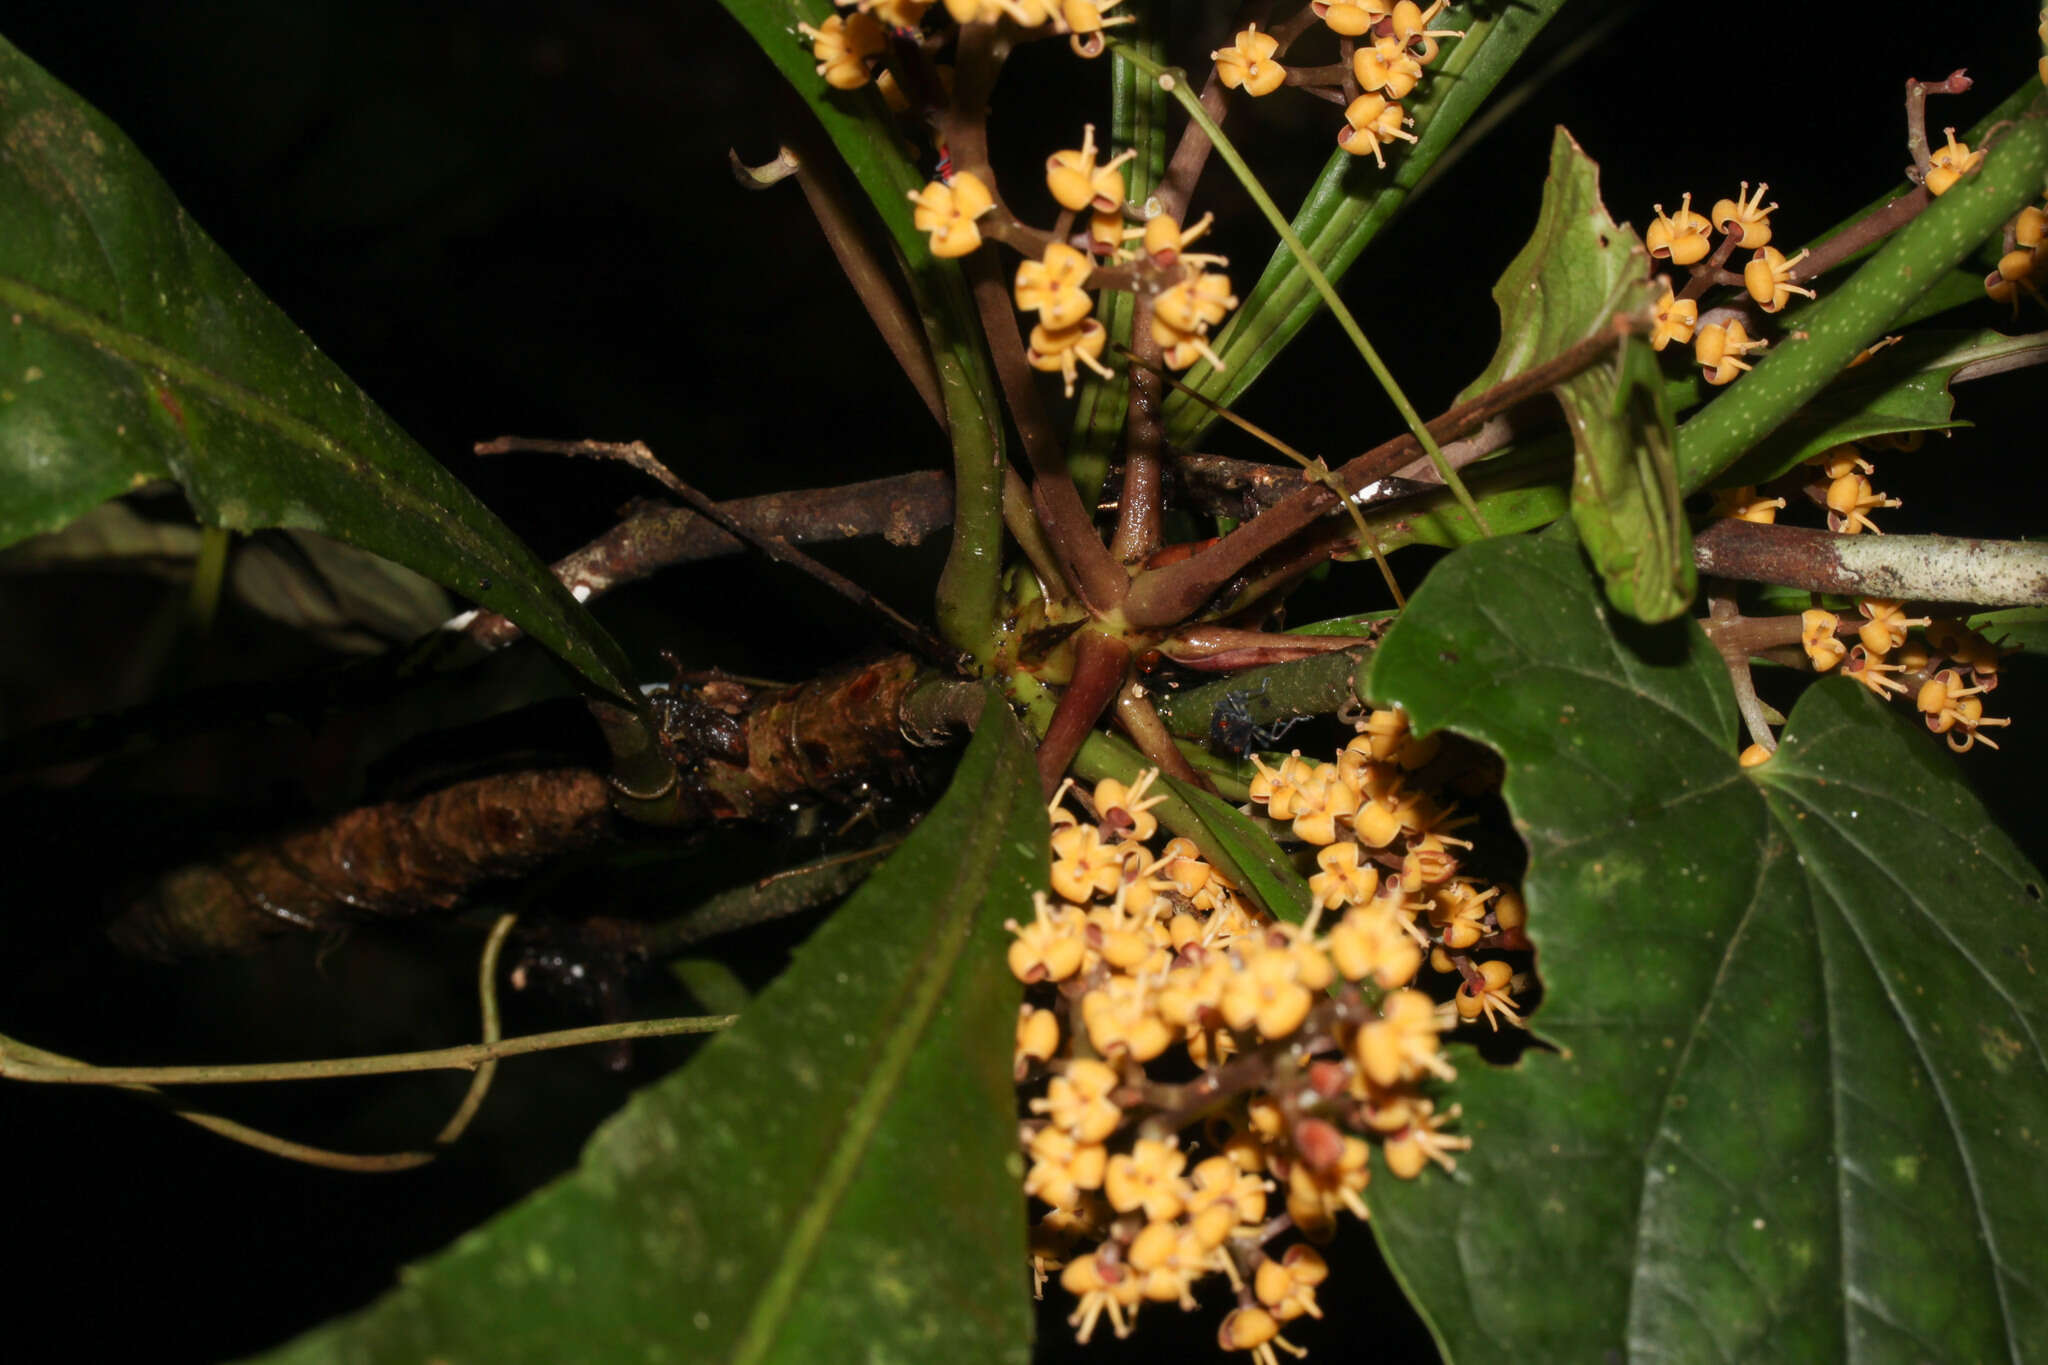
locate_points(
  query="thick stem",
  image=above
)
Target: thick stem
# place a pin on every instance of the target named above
(1099, 665)
(1987, 573)
(1138, 511)
(1089, 566)
(1136, 714)
(1169, 594)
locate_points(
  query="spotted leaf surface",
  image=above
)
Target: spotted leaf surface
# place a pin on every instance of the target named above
(1794, 1097)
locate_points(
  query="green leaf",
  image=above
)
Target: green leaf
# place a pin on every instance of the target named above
(133, 349)
(2023, 628)
(835, 1178)
(1913, 261)
(1798, 1102)
(1353, 201)
(1577, 272)
(1625, 500)
(1246, 853)
(1904, 387)
(1578, 269)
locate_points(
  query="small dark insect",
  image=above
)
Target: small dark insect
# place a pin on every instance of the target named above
(1231, 725)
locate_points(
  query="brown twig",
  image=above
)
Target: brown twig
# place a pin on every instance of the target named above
(636, 455)
(1137, 533)
(1917, 92)
(903, 509)
(1709, 272)
(1722, 616)
(847, 236)
(1089, 566)
(1172, 593)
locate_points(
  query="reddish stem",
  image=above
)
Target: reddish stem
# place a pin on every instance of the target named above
(1095, 575)
(1099, 665)
(1140, 720)
(1161, 596)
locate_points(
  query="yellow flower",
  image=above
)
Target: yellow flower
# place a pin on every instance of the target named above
(1248, 62)
(948, 211)
(1681, 237)
(842, 45)
(1950, 163)
(1077, 183)
(1768, 278)
(1676, 319)
(1370, 122)
(1052, 285)
(1747, 214)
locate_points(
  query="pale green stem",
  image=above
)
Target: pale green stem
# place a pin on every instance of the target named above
(1175, 83)
(19, 1062)
(207, 573)
(494, 1031)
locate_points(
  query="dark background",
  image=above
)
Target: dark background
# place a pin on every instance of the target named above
(516, 217)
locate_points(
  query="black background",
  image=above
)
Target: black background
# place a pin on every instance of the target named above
(516, 217)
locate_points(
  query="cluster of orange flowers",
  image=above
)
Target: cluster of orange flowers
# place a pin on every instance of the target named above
(1946, 667)
(848, 47)
(1389, 45)
(1304, 1045)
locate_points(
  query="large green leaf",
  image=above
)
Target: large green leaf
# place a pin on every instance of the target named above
(133, 349)
(1353, 201)
(1904, 387)
(834, 1179)
(1798, 1104)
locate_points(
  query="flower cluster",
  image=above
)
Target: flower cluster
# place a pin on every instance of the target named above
(1383, 50)
(1843, 488)
(1720, 346)
(848, 48)
(1133, 247)
(1301, 1047)
(1946, 667)
(2019, 264)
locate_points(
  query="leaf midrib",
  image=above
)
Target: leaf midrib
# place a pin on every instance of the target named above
(963, 896)
(138, 350)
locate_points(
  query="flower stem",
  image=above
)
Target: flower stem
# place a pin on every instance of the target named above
(1175, 83)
